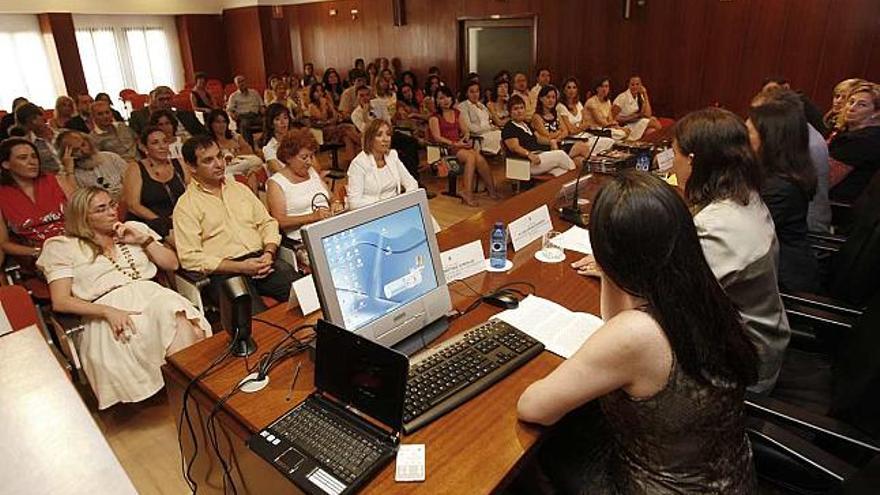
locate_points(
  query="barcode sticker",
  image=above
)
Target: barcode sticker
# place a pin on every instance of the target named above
(325, 481)
(410, 463)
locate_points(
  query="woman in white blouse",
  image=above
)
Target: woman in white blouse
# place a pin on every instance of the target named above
(297, 194)
(102, 270)
(632, 109)
(478, 120)
(275, 126)
(376, 173)
(570, 108)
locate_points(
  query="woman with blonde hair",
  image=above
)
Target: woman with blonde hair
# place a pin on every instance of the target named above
(834, 118)
(102, 270)
(377, 173)
(65, 108)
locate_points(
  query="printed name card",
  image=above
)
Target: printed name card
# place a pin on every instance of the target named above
(664, 159)
(304, 294)
(529, 227)
(463, 261)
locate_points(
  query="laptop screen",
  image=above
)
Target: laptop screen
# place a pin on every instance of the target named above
(361, 373)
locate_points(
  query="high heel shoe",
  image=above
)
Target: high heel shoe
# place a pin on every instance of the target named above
(470, 201)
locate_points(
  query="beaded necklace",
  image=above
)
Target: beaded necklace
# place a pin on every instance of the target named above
(133, 272)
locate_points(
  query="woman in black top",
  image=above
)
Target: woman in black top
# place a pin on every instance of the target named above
(778, 134)
(521, 141)
(333, 85)
(106, 98)
(153, 185)
(198, 96)
(858, 147)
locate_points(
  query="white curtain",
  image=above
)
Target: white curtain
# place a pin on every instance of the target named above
(27, 64)
(127, 52)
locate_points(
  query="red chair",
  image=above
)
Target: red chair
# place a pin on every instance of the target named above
(17, 307)
(181, 101)
(127, 94)
(138, 101)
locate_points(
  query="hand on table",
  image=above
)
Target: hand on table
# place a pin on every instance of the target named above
(587, 266)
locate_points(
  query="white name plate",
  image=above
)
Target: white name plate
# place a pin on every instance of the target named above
(529, 227)
(463, 261)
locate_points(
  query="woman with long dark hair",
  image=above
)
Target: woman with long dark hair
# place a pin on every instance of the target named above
(716, 166)
(670, 365)
(778, 135)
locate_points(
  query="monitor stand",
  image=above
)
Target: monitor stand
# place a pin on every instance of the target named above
(421, 339)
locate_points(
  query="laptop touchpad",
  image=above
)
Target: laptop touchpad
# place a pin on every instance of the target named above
(290, 460)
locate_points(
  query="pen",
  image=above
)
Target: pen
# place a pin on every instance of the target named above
(293, 382)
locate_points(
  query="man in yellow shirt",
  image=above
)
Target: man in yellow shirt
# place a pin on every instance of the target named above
(222, 229)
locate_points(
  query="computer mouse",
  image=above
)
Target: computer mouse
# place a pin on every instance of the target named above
(503, 299)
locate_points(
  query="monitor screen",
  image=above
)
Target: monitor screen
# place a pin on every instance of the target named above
(380, 265)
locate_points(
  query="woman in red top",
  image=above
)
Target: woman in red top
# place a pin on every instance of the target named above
(31, 203)
(448, 129)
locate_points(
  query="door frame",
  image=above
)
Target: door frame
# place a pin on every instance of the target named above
(506, 20)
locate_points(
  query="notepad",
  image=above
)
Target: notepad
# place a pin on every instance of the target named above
(561, 330)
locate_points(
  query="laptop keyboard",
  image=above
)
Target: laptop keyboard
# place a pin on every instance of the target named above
(462, 367)
(344, 450)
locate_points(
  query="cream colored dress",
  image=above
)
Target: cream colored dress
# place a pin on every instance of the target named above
(120, 370)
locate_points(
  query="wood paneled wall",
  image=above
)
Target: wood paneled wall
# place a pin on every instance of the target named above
(203, 45)
(59, 28)
(690, 53)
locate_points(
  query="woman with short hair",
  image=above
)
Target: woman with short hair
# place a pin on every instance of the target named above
(544, 156)
(276, 124)
(855, 151)
(102, 270)
(599, 109)
(834, 118)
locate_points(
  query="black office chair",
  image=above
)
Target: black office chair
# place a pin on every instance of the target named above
(821, 425)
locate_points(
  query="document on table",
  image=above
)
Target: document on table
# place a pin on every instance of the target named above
(575, 239)
(561, 330)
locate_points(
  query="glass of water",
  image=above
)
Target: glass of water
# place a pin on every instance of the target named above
(550, 249)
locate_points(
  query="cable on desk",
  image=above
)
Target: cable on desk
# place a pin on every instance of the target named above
(479, 300)
(268, 361)
(186, 467)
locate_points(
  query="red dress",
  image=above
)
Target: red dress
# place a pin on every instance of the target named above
(450, 130)
(32, 222)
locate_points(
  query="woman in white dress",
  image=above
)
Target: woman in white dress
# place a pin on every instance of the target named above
(570, 108)
(377, 173)
(478, 120)
(297, 194)
(275, 126)
(101, 270)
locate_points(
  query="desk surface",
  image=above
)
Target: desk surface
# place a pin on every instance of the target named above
(472, 449)
(50, 442)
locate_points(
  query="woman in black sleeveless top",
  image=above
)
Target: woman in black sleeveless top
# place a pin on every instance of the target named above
(153, 185)
(668, 367)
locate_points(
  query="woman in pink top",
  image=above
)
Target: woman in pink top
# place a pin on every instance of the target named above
(448, 129)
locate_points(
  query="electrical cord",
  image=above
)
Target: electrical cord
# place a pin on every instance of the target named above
(268, 360)
(480, 297)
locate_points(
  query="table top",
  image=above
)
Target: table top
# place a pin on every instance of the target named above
(473, 448)
(51, 443)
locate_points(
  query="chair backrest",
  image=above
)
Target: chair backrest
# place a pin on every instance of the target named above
(857, 265)
(856, 373)
(18, 311)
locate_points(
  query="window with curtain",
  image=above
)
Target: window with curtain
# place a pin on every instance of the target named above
(127, 57)
(27, 69)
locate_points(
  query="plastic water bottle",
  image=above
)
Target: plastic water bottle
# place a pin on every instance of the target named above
(498, 246)
(643, 162)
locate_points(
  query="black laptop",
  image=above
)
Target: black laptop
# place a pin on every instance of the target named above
(349, 428)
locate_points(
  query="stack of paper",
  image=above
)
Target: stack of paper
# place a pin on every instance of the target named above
(560, 330)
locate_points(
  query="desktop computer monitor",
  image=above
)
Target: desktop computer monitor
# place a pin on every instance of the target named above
(378, 273)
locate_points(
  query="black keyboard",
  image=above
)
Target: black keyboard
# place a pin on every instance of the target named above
(343, 449)
(462, 367)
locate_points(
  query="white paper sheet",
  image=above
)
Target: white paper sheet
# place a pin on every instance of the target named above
(575, 239)
(561, 331)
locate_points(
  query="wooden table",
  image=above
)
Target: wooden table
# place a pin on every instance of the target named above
(50, 443)
(476, 448)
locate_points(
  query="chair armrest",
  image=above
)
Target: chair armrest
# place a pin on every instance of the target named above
(825, 303)
(826, 238)
(70, 323)
(198, 280)
(798, 448)
(13, 272)
(816, 423)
